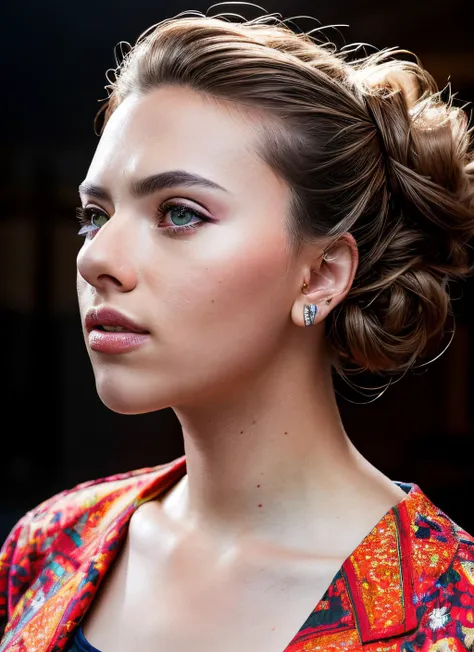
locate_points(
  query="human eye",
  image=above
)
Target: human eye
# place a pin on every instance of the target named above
(91, 220)
(180, 213)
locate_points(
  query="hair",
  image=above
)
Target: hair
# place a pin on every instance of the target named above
(366, 145)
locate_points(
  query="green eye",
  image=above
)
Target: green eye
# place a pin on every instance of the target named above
(99, 219)
(179, 213)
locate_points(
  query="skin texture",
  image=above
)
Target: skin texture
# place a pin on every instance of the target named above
(271, 471)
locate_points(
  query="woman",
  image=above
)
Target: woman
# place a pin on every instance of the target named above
(259, 212)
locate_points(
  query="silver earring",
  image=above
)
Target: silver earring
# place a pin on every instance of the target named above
(310, 311)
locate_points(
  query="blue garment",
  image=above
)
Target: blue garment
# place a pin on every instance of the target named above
(80, 643)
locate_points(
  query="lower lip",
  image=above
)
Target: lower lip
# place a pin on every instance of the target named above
(118, 342)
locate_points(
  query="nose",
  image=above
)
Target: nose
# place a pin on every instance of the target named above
(106, 261)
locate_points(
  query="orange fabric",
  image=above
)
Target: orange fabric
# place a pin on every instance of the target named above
(408, 586)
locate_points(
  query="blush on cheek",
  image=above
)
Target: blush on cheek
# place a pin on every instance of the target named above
(257, 270)
(231, 302)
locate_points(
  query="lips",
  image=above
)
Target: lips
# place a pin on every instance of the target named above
(96, 318)
(125, 335)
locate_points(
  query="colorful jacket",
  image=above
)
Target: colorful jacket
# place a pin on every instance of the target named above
(408, 586)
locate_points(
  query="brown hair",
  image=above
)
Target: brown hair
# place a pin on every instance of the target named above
(366, 145)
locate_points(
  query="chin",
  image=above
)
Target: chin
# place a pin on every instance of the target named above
(127, 398)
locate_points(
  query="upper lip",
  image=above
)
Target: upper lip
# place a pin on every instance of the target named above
(111, 317)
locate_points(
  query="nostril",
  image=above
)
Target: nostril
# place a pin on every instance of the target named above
(109, 279)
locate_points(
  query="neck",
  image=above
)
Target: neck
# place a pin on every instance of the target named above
(269, 454)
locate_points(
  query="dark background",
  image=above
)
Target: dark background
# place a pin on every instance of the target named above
(55, 432)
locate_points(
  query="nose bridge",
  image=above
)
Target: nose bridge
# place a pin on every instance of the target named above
(109, 254)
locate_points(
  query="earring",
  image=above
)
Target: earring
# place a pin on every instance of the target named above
(309, 312)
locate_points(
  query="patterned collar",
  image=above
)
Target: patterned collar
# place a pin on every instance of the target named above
(382, 584)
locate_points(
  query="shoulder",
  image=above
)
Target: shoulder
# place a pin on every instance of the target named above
(447, 606)
(436, 544)
(63, 508)
(61, 519)
(443, 553)
(461, 572)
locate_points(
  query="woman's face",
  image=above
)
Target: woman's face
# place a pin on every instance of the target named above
(214, 300)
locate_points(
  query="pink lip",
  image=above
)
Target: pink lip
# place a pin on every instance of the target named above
(116, 342)
(132, 337)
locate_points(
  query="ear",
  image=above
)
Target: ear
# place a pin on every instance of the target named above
(329, 280)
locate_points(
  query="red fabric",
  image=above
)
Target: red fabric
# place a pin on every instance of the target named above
(408, 586)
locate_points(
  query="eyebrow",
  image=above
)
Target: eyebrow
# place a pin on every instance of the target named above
(149, 185)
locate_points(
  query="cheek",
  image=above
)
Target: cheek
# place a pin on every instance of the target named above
(251, 271)
(231, 299)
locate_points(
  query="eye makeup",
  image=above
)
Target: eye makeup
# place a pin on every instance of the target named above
(92, 219)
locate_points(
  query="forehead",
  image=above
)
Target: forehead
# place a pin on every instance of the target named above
(176, 128)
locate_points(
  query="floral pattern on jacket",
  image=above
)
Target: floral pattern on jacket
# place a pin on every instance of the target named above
(407, 587)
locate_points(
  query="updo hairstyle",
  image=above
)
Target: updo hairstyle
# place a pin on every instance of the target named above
(367, 146)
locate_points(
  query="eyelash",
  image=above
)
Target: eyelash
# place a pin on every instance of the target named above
(84, 215)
